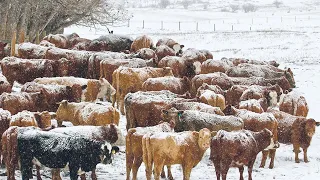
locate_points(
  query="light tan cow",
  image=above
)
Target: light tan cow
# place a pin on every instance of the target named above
(185, 148)
(294, 103)
(141, 42)
(131, 79)
(87, 113)
(212, 98)
(134, 146)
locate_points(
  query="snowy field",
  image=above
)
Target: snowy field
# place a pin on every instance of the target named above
(293, 43)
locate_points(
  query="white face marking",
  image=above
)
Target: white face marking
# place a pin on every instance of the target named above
(197, 65)
(273, 98)
(83, 97)
(271, 146)
(176, 48)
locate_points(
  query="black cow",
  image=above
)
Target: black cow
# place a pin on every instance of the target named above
(55, 150)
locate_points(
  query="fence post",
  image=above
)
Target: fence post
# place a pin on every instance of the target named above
(128, 22)
(197, 28)
(161, 25)
(214, 27)
(13, 43)
(142, 24)
(232, 27)
(179, 26)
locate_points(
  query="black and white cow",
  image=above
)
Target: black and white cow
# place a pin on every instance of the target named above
(56, 150)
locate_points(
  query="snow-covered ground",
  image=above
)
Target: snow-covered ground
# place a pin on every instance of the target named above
(293, 43)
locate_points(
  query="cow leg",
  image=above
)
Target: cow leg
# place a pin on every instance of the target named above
(186, 172)
(272, 154)
(170, 177)
(163, 174)
(241, 169)
(73, 171)
(136, 164)
(157, 170)
(305, 156)
(225, 165)
(93, 174)
(121, 103)
(83, 176)
(296, 149)
(56, 174)
(38, 172)
(250, 167)
(129, 161)
(216, 163)
(264, 158)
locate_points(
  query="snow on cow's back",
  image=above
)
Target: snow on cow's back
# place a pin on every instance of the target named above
(163, 127)
(244, 136)
(180, 138)
(152, 96)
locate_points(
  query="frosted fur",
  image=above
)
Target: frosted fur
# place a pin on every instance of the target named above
(196, 106)
(36, 50)
(163, 127)
(153, 96)
(24, 116)
(180, 139)
(250, 102)
(67, 80)
(249, 70)
(133, 63)
(166, 83)
(245, 136)
(245, 114)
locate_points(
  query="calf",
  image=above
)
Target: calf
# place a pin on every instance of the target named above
(55, 150)
(257, 122)
(173, 84)
(134, 146)
(294, 103)
(86, 113)
(131, 79)
(237, 149)
(185, 148)
(295, 130)
(189, 120)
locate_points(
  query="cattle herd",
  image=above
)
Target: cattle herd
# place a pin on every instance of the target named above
(177, 103)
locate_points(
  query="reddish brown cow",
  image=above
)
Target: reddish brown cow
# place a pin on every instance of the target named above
(193, 55)
(5, 86)
(256, 122)
(55, 93)
(294, 103)
(60, 40)
(16, 102)
(198, 80)
(140, 42)
(211, 66)
(149, 55)
(108, 66)
(212, 98)
(24, 70)
(180, 67)
(32, 51)
(134, 151)
(5, 117)
(163, 51)
(131, 79)
(234, 93)
(237, 149)
(144, 108)
(295, 130)
(173, 84)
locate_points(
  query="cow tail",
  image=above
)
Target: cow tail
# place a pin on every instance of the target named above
(147, 154)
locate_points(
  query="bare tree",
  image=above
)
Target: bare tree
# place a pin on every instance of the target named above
(52, 16)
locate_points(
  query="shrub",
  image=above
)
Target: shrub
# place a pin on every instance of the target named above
(164, 3)
(249, 7)
(186, 3)
(277, 3)
(234, 7)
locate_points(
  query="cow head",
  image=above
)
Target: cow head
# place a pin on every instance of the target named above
(309, 127)
(229, 110)
(107, 152)
(204, 138)
(272, 98)
(106, 89)
(264, 140)
(289, 76)
(43, 119)
(167, 71)
(171, 115)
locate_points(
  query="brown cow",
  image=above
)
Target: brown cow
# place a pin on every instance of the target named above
(25, 70)
(237, 149)
(295, 130)
(85, 113)
(144, 108)
(185, 148)
(131, 79)
(294, 103)
(197, 106)
(188, 120)
(172, 44)
(31, 51)
(194, 55)
(55, 93)
(216, 89)
(173, 84)
(257, 122)
(212, 98)
(163, 51)
(60, 40)
(265, 71)
(211, 66)
(16, 102)
(258, 106)
(140, 42)
(108, 66)
(23, 119)
(198, 80)
(148, 55)
(5, 86)
(5, 117)
(234, 93)
(180, 67)
(134, 146)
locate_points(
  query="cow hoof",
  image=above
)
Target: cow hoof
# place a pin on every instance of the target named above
(297, 161)
(270, 167)
(306, 161)
(261, 166)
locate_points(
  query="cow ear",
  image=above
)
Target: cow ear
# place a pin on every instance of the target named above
(115, 149)
(84, 87)
(180, 113)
